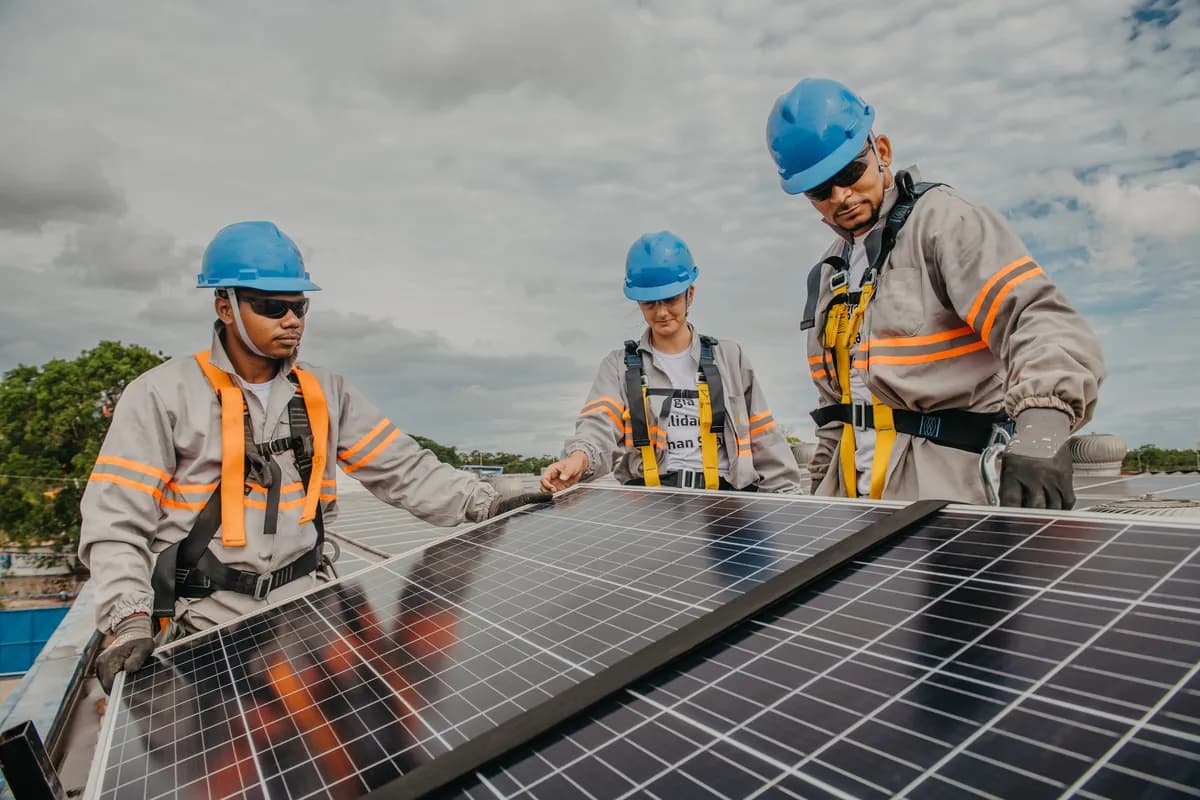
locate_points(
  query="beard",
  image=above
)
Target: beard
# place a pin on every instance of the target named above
(869, 223)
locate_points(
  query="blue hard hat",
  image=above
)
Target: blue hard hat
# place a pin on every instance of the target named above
(659, 265)
(814, 130)
(254, 255)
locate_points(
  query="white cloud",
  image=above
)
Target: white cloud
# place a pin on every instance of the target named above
(478, 170)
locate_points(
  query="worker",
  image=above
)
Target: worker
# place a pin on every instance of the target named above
(216, 480)
(677, 408)
(932, 333)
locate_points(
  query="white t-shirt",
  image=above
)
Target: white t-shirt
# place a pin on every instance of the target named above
(682, 420)
(261, 390)
(864, 441)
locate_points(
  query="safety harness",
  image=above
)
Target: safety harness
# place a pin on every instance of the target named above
(188, 568)
(709, 391)
(958, 428)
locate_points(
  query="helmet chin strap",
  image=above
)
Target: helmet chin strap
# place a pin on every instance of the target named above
(241, 326)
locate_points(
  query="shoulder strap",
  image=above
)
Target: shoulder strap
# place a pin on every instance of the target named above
(634, 377)
(712, 376)
(233, 451)
(909, 193)
(314, 419)
(814, 288)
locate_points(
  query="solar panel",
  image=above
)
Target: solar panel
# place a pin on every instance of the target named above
(1094, 490)
(981, 654)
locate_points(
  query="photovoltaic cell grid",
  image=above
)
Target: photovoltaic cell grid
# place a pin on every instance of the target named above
(984, 656)
(366, 520)
(339, 691)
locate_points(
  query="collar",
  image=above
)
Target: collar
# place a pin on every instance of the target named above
(219, 358)
(644, 344)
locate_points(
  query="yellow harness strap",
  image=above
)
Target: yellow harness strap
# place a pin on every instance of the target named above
(708, 439)
(837, 338)
(318, 420)
(233, 452)
(649, 459)
(885, 439)
(841, 333)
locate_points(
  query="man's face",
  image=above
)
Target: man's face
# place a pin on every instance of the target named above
(274, 320)
(852, 199)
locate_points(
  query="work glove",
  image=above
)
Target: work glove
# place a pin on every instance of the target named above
(128, 652)
(1035, 470)
(511, 494)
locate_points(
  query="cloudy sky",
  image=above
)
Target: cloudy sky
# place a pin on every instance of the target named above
(465, 178)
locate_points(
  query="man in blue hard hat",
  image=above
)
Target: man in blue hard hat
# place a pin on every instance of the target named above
(217, 477)
(933, 335)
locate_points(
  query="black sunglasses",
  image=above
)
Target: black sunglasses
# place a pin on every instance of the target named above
(274, 308)
(846, 176)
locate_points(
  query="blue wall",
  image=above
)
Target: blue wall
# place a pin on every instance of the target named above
(22, 634)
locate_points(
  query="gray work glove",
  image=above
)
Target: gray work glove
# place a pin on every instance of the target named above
(511, 495)
(128, 652)
(1035, 470)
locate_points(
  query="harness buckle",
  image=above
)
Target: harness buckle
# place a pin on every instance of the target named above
(858, 415)
(837, 280)
(262, 587)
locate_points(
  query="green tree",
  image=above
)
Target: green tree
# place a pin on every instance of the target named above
(446, 454)
(52, 421)
(1151, 458)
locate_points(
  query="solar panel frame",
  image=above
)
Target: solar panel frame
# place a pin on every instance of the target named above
(968, 512)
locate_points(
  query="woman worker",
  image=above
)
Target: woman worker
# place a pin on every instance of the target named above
(677, 408)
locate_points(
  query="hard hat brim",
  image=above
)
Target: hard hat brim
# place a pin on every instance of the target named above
(263, 284)
(831, 164)
(647, 294)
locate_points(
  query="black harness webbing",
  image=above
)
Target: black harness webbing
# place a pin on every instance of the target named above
(517, 732)
(635, 379)
(962, 430)
(189, 569)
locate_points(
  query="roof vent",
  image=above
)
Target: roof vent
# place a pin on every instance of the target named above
(1098, 454)
(1150, 505)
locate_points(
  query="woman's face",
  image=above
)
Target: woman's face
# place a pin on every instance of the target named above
(666, 317)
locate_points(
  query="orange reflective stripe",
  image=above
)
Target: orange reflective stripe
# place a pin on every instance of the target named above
(762, 428)
(233, 457)
(291, 487)
(171, 502)
(612, 401)
(1000, 295)
(605, 410)
(822, 373)
(941, 355)
(977, 306)
(192, 488)
(915, 341)
(128, 483)
(287, 505)
(816, 359)
(348, 454)
(135, 466)
(369, 457)
(757, 417)
(318, 419)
